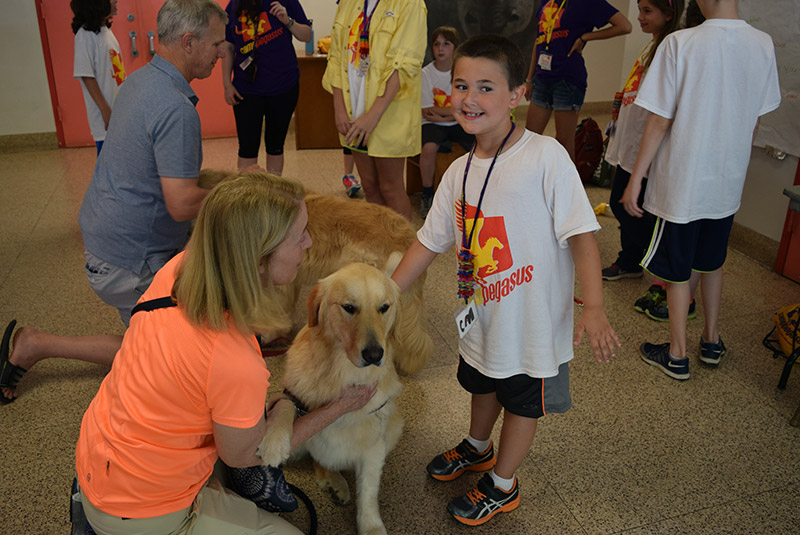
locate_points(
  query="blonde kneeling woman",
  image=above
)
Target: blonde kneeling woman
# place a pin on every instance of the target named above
(189, 385)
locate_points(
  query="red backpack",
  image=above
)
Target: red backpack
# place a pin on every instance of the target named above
(588, 148)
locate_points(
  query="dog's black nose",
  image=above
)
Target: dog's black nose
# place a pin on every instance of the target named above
(372, 355)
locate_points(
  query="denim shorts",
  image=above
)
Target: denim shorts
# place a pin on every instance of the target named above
(557, 96)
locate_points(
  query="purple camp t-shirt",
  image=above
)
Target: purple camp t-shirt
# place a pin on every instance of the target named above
(275, 57)
(577, 18)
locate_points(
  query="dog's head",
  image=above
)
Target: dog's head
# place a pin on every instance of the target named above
(356, 306)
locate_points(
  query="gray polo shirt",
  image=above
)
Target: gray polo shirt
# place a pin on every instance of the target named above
(154, 132)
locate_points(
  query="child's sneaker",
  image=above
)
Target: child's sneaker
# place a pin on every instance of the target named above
(425, 205)
(659, 311)
(655, 294)
(614, 272)
(480, 504)
(710, 353)
(351, 185)
(451, 464)
(658, 355)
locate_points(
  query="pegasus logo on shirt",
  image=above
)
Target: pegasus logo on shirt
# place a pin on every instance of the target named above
(352, 40)
(117, 68)
(492, 256)
(632, 84)
(551, 17)
(440, 98)
(248, 31)
(489, 242)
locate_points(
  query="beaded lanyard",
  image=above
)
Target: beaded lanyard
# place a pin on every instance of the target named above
(466, 265)
(363, 38)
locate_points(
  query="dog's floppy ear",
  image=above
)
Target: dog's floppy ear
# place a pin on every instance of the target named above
(314, 303)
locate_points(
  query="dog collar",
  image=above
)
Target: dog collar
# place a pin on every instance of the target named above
(301, 409)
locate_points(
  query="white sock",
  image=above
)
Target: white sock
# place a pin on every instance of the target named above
(502, 483)
(479, 445)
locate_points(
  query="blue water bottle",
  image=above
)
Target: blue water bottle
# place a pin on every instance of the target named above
(310, 44)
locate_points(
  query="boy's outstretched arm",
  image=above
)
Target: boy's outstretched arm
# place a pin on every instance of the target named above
(414, 262)
(593, 320)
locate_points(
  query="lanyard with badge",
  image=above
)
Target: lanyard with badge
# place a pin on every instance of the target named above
(363, 38)
(545, 60)
(465, 316)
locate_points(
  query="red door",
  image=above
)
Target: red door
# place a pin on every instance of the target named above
(135, 22)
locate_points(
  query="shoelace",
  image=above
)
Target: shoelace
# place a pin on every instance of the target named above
(475, 496)
(452, 455)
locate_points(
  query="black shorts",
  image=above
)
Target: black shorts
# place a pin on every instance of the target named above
(436, 133)
(677, 249)
(522, 395)
(250, 114)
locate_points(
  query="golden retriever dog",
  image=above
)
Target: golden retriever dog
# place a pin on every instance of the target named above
(344, 231)
(348, 341)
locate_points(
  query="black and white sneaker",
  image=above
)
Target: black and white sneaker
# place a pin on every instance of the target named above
(710, 353)
(480, 504)
(658, 355)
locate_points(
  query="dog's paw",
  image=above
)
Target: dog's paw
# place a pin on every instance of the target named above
(334, 483)
(276, 446)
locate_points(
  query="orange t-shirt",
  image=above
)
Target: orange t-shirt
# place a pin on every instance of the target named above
(146, 445)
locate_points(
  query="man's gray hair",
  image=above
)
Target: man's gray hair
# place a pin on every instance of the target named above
(177, 17)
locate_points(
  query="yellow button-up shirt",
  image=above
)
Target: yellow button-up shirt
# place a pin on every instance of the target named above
(397, 42)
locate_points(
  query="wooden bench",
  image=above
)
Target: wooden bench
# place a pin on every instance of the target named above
(443, 161)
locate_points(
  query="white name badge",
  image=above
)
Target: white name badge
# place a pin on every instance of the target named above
(246, 63)
(465, 318)
(545, 61)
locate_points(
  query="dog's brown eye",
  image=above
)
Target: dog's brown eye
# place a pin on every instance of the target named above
(384, 308)
(350, 309)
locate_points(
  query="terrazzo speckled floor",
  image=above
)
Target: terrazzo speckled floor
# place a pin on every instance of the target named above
(639, 453)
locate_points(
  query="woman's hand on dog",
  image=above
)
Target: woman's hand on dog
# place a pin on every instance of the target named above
(354, 397)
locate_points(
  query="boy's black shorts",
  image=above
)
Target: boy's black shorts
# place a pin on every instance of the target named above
(522, 395)
(677, 249)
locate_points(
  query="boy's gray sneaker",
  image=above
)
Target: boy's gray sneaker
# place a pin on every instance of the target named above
(711, 353)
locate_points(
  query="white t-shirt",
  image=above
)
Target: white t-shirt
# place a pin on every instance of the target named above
(534, 201)
(97, 55)
(436, 87)
(357, 79)
(623, 146)
(713, 81)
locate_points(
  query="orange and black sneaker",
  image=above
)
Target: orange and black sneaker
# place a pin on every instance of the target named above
(480, 504)
(451, 464)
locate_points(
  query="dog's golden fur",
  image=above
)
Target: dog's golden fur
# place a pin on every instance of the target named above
(345, 231)
(352, 315)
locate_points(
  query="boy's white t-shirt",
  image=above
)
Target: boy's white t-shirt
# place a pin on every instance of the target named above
(436, 88)
(623, 146)
(98, 56)
(713, 81)
(533, 203)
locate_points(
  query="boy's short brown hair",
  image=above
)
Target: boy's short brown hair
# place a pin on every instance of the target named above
(498, 49)
(448, 32)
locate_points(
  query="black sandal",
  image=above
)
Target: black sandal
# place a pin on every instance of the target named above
(9, 373)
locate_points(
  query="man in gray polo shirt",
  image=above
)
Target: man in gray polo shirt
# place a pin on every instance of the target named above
(138, 208)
